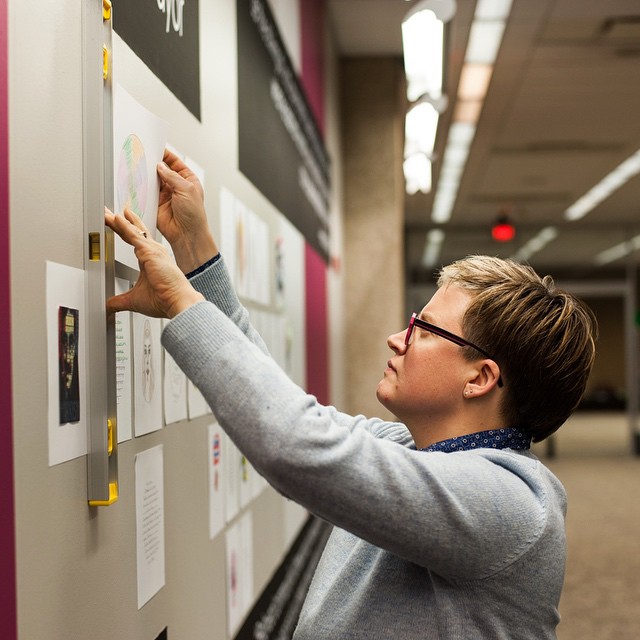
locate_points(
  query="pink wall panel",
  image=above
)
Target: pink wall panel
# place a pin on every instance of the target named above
(8, 615)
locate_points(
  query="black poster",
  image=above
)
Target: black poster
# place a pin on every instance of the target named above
(165, 35)
(280, 147)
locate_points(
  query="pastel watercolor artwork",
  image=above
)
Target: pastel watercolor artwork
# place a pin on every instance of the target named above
(132, 179)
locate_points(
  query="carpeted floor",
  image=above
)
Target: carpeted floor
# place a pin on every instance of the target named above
(593, 459)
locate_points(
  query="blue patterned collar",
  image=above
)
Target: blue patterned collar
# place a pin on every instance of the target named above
(508, 438)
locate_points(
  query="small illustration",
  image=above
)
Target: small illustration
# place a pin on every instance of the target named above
(132, 178)
(176, 380)
(148, 370)
(241, 253)
(68, 365)
(215, 454)
(279, 272)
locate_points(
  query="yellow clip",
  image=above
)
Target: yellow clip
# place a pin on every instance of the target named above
(106, 10)
(109, 437)
(105, 62)
(113, 497)
(94, 246)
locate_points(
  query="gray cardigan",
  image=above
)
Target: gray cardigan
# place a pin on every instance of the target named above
(464, 545)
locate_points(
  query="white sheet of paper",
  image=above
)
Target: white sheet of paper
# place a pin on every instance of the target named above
(149, 484)
(139, 138)
(175, 391)
(231, 469)
(234, 594)
(67, 372)
(246, 473)
(244, 241)
(196, 168)
(216, 454)
(197, 404)
(239, 549)
(147, 379)
(124, 389)
(246, 566)
(292, 324)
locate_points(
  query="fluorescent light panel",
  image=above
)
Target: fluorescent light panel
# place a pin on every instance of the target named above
(617, 252)
(432, 248)
(422, 37)
(492, 9)
(537, 243)
(421, 124)
(474, 81)
(484, 41)
(485, 38)
(601, 191)
(417, 173)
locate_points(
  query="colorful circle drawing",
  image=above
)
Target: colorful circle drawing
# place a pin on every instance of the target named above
(132, 183)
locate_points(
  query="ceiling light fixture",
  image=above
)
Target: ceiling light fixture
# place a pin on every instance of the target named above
(423, 46)
(617, 251)
(601, 191)
(537, 243)
(485, 38)
(417, 173)
(420, 126)
(433, 244)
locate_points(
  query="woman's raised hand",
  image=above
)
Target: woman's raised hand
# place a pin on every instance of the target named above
(162, 290)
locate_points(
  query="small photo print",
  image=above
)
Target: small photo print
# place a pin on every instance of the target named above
(69, 386)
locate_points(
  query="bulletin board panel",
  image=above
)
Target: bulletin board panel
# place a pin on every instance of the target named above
(77, 565)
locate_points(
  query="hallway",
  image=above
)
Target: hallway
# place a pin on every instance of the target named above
(602, 585)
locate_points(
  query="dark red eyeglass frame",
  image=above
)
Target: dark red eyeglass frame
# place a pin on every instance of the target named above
(443, 333)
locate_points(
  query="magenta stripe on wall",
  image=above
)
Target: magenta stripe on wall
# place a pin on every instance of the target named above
(8, 614)
(312, 17)
(316, 325)
(317, 331)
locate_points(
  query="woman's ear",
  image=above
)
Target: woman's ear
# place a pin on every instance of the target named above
(486, 377)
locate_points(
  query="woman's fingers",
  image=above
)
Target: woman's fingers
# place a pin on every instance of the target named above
(136, 221)
(129, 226)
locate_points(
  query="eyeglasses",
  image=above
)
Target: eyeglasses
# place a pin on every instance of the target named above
(443, 333)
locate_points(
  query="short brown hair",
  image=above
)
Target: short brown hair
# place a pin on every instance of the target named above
(542, 338)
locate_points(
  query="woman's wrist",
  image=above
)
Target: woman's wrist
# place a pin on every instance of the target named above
(188, 299)
(190, 257)
(205, 265)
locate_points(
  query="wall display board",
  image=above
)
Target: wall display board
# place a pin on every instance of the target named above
(280, 147)
(196, 534)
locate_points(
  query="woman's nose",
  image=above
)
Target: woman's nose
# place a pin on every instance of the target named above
(396, 342)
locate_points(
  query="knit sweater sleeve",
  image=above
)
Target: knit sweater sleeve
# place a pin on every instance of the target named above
(411, 503)
(215, 284)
